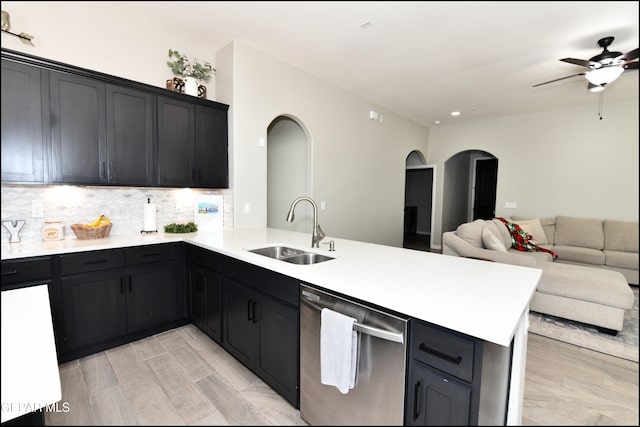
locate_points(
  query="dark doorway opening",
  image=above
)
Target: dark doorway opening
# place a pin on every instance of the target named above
(484, 193)
(458, 188)
(418, 207)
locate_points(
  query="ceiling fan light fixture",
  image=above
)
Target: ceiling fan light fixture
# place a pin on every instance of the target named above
(595, 88)
(603, 76)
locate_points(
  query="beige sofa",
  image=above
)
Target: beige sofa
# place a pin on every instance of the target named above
(589, 281)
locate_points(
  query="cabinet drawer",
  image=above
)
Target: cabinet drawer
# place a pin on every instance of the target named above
(266, 281)
(204, 258)
(91, 261)
(26, 270)
(442, 349)
(150, 253)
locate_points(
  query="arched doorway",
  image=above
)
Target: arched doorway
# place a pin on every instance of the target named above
(288, 172)
(418, 202)
(469, 188)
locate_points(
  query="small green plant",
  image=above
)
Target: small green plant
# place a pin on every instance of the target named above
(189, 227)
(183, 67)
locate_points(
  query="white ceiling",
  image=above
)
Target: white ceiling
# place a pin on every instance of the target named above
(426, 59)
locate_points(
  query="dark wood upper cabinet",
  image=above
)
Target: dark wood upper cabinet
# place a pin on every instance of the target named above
(130, 136)
(176, 139)
(65, 124)
(211, 143)
(22, 111)
(78, 129)
(192, 145)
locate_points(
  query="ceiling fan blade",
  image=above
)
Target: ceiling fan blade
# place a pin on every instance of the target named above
(631, 66)
(582, 62)
(630, 56)
(561, 78)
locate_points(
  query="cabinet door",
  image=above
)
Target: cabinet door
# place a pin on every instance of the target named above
(94, 307)
(212, 322)
(277, 358)
(196, 295)
(436, 399)
(78, 129)
(22, 138)
(176, 136)
(239, 307)
(130, 127)
(211, 148)
(151, 295)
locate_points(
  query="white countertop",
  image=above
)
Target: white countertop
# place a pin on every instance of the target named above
(30, 378)
(482, 299)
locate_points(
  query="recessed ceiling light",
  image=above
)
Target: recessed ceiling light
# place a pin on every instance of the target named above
(455, 113)
(437, 122)
(366, 24)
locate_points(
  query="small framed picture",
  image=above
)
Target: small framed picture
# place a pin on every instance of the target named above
(208, 212)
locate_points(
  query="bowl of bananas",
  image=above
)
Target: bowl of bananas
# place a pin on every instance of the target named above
(98, 229)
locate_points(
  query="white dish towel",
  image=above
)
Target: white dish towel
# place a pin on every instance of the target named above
(338, 350)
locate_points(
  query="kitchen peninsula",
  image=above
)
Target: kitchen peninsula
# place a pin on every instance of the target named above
(484, 300)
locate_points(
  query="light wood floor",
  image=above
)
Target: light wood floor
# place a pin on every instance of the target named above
(182, 377)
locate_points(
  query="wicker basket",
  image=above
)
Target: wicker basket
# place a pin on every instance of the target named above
(84, 233)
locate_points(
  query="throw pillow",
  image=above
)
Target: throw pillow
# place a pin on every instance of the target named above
(491, 241)
(471, 232)
(533, 227)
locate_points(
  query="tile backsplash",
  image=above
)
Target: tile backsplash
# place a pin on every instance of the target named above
(82, 204)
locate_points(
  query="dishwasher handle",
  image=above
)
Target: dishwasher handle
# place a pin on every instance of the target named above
(358, 327)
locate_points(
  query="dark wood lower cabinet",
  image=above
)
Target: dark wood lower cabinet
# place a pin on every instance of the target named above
(437, 399)
(241, 313)
(263, 334)
(277, 352)
(455, 379)
(261, 330)
(95, 308)
(212, 322)
(151, 295)
(107, 298)
(115, 296)
(204, 283)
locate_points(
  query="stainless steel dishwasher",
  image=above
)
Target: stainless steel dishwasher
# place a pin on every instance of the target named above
(378, 395)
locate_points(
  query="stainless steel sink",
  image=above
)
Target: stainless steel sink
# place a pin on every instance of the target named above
(307, 258)
(291, 255)
(277, 252)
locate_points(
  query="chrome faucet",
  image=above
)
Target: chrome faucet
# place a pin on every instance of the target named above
(318, 234)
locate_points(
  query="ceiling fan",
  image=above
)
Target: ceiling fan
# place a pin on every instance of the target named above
(604, 68)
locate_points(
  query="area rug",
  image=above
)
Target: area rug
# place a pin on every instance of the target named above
(623, 345)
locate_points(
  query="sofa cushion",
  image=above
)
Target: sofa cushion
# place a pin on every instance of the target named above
(534, 228)
(621, 236)
(491, 241)
(621, 259)
(579, 254)
(501, 231)
(586, 233)
(586, 283)
(472, 232)
(548, 225)
(540, 257)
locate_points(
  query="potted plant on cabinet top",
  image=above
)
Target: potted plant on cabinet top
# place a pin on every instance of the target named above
(192, 73)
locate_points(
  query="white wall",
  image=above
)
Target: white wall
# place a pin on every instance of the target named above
(556, 162)
(96, 35)
(357, 165)
(560, 162)
(287, 176)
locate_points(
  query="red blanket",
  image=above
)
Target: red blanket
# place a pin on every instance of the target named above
(521, 241)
